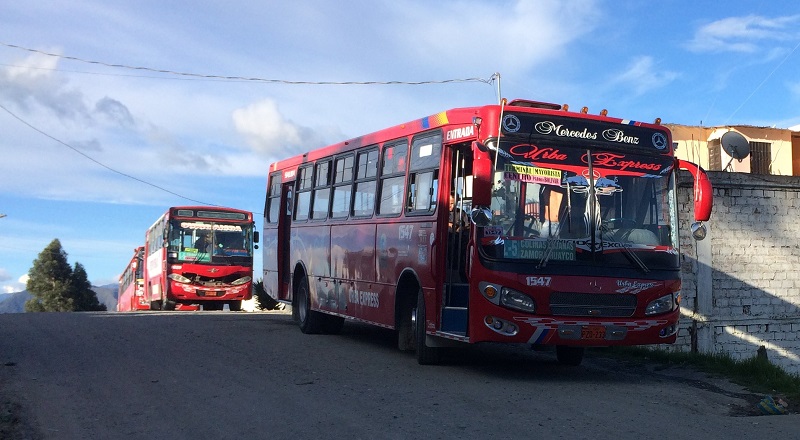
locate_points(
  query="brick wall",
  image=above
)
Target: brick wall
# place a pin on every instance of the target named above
(741, 285)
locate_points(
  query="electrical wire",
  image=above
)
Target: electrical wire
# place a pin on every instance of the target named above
(762, 83)
(100, 163)
(252, 79)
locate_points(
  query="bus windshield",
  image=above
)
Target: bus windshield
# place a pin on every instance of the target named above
(551, 206)
(203, 241)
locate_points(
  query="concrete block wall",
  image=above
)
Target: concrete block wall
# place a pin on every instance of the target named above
(741, 285)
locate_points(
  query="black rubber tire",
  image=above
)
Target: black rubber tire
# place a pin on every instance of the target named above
(235, 306)
(569, 355)
(311, 322)
(425, 355)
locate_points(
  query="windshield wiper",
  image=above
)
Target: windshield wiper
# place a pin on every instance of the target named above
(627, 249)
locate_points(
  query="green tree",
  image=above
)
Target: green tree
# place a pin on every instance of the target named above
(84, 299)
(49, 281)
(55, 287)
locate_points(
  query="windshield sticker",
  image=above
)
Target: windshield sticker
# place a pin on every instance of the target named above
(528, 174)
(562, 250)
(603, 186)
(492, 231)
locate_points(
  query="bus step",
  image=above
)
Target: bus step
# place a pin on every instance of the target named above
(454, 320)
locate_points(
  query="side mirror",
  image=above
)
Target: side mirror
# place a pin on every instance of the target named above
(703, 192)
(699, 230)
(481, 216)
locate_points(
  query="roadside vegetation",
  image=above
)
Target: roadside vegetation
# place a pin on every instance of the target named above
(757, 374)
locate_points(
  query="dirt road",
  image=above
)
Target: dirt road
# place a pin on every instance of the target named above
(223, 375)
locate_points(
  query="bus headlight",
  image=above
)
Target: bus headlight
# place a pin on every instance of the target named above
(517, 300)
(241, 280)
(179, 278)
(666, 303)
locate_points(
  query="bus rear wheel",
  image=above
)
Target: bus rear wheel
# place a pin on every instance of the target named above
(426, 355)
(311, 321)
(568, 355)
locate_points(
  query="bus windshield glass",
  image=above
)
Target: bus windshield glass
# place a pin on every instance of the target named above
(203, 241)
(552, 206)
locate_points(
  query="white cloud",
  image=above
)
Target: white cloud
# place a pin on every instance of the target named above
(644, 75)
(743, 34)
(268, 132)
(4, 276)
(13, 287)
(507, 36)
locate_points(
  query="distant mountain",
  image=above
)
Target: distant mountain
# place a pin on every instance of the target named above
(15, 302)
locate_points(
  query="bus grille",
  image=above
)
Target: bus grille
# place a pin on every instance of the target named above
(591, 304)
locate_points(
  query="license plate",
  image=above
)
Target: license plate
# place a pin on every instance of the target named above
(593, 332)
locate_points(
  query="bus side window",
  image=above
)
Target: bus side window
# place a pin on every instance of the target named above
(422, 189)
(343, 187)
(322, 192)
(364, 187)
(393, 176)
(303, 193)
(423, 181)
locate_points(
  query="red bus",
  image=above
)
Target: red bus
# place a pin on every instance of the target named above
(558, 250)
(199, 255)
(130, 296)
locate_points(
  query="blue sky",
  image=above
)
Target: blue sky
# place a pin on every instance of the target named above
(93, 154)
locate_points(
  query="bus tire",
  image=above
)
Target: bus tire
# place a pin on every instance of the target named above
(568, 355)
(425, 355)
(311, 322)
(235, 306)
(405, 326)
(168, 305)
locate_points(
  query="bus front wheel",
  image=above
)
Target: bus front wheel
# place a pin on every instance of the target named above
(311, 322)
(426, 355)
(568, 355)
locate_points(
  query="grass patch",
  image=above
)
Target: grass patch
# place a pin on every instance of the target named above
(757, 374)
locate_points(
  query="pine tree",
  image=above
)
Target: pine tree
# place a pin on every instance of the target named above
(83, 297)
(49, 281)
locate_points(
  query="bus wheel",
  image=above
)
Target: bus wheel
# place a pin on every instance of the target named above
(405, 327)
(235, 306)
(425, 355)
(168, 305)
(311, 321)
(568, 355)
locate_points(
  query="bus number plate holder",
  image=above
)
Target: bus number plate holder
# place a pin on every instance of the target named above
(593, 332)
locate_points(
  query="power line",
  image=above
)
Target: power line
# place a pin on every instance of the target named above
(253, 79)
(100, 163)
(762, 83)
